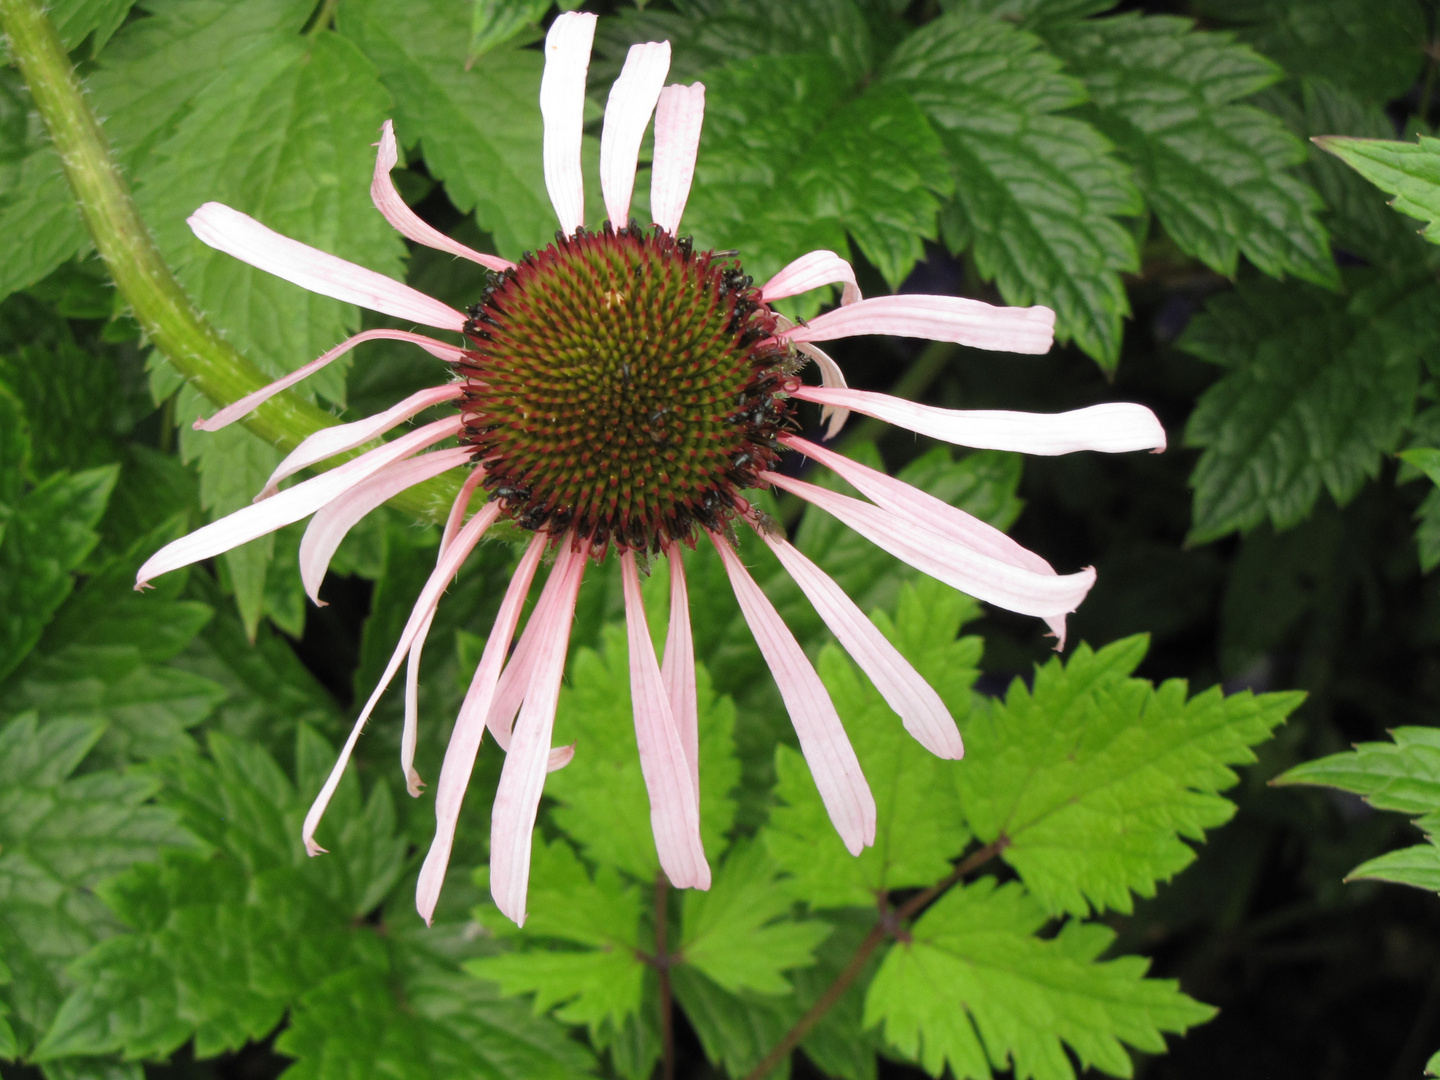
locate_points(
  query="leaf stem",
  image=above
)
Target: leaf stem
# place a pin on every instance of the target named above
(889, 925)
(662, 968)
(170, 321)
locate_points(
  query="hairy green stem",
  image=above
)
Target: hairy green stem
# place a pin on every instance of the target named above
(889, 925)
(170, 321)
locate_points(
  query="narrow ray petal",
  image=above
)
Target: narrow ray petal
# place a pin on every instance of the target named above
(470, 730)
(931, 513)
(811, 272)
(420, 616)
(823, 741)
(674, 809)
(830, 376)
(938, 318)
(562, 105)
(327, 442)
(523, 777)
(250, 402)
(627, 113)
(1014, 588)
(678, 667)
(290, 505)
(913, 699)
(388, 201)
(678, 119)
(461, 505)
(1115, 427)
(333, 522)
(245, 238)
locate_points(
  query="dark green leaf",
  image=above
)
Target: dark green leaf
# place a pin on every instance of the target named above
(1409, 171)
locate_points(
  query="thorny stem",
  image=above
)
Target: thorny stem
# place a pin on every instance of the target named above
(170, 321)
(890, 924)
(662, 968)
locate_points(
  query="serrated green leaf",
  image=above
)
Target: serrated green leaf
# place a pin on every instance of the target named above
(494, 22)
(1418, 865)
(1319, 388)
(1217, 174)
(1036, 193)
(479, 122)
(1097, 779)
(1409, 171)
(976, 990)
(39, 216)
(602, 800)
(1032, 12)
(736, 933)
(75, 20)
(920, 824)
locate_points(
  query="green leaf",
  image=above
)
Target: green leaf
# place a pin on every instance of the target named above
(1418, 866)
(50, 531)
(1096, 779)
(1032, 12)
(39, 216)
(1216, 174)
(494, 22)
(1427, 533)
(479, 122)
(1036, 193)
(603, 804)
(737, 934)
(75, 20)
(1318, 389)
(1409, 171)
(920, 826)
(976, 990)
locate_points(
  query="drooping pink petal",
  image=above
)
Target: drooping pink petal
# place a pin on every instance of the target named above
(823, 741)
(387, 200)
(913, 699)
(811, 271)
(930, 513)
(250, 402)
(562, 105)
(327, 442)
(420, 616)
(674, 809)
(627, 113)
(831, 376)
(461, 505)
(1113, 428)
(470, 730)
(333, 522)
(1014, 588)
(678, 667)
(510, 692)
(290, 505)
(245, 238)
(523, 778)
(938, 318)
(678, 119)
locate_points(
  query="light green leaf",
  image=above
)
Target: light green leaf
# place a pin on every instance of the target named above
(1418, 866)
(494, 22)
(1409, 171)
(1096, 779)
(976, 990)
(1217, 174)
(1036, 193)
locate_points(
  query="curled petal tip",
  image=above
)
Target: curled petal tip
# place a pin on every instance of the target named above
(320, 603)
(312, 848)
(560, 756)
(199, 424)
(414, 785)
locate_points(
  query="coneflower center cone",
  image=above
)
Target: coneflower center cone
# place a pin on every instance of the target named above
(625, 386)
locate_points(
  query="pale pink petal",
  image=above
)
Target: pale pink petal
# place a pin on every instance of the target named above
(470, 730)
(331, 524)
(290, 505)
(939, 318)
(461, 504)
(327, 442)
(1113, 428)
(996, 582)
(830, 376)
(245, 238)
(678, 667)
(387, 200)
(627, 114)
(523, 777)
(678, 118)
(251, 402)
(510, 693)
(930, 513)
(914, 701)
(420, 616)
(674, 809)
(562, 105)
(811, 272)
(823, 741)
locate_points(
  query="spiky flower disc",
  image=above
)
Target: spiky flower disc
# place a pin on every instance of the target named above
(623, 385)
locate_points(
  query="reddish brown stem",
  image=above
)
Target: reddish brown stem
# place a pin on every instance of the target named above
(888, 926)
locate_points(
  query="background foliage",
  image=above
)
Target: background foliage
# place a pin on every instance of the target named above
(1145, 174)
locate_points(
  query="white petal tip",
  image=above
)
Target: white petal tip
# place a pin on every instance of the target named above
(312, 848)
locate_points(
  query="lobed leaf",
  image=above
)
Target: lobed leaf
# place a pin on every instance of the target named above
(1409, 171)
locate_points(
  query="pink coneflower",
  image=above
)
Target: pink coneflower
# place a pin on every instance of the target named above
(616, 393)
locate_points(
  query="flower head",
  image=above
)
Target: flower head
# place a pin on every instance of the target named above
(616, 392)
